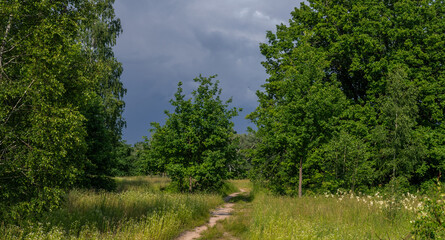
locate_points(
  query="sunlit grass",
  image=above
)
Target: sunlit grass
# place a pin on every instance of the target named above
(323, 218)
(344, 215)
(319, 217)
(142, 183)
(242, 184)
(138, 210)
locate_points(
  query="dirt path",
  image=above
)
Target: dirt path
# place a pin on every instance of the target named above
(219, 214)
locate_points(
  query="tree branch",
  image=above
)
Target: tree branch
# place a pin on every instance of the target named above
(2, 48)
(10, 60)
(15, 106)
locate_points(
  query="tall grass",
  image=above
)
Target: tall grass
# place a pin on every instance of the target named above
(142, 183)
(137, 211)
(320, 217)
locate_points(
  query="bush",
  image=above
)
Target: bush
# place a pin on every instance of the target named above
(431, 217)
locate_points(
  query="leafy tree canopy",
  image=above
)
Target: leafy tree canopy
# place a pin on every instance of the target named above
(60, 97)
(195, 145)
(386, 59)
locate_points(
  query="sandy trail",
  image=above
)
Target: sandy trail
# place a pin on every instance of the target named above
(220, 213)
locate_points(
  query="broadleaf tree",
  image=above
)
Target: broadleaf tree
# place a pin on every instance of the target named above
(49, 81)
(195, 145)
(42, 139)
(399, 142)
(296, 115)
(98, 31)
(362, 43)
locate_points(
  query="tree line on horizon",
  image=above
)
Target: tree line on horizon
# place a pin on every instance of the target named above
(355, 100)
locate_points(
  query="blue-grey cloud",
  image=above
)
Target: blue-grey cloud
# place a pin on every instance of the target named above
(168, 41)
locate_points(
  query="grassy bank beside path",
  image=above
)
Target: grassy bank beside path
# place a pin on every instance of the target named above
(138, 210)
(341, 216)
(324, 218)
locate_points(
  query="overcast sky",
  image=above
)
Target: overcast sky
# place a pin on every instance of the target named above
(167, 41)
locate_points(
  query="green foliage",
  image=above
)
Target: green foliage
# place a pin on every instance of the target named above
(42, 134)
(227, 188)
(99, 29)
(429, 223)
(195, 146)
(239, 169)
(150, 163)
(53, 102)
(344, 162)
(395, 136)
(296, 116)
(128, 159)
(355, 94)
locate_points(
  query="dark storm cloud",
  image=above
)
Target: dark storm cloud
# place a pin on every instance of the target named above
(168, 41)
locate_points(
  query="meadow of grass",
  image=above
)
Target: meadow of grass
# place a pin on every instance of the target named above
(143, 208)
(329, 216)
(139, 209)
(325, 218)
